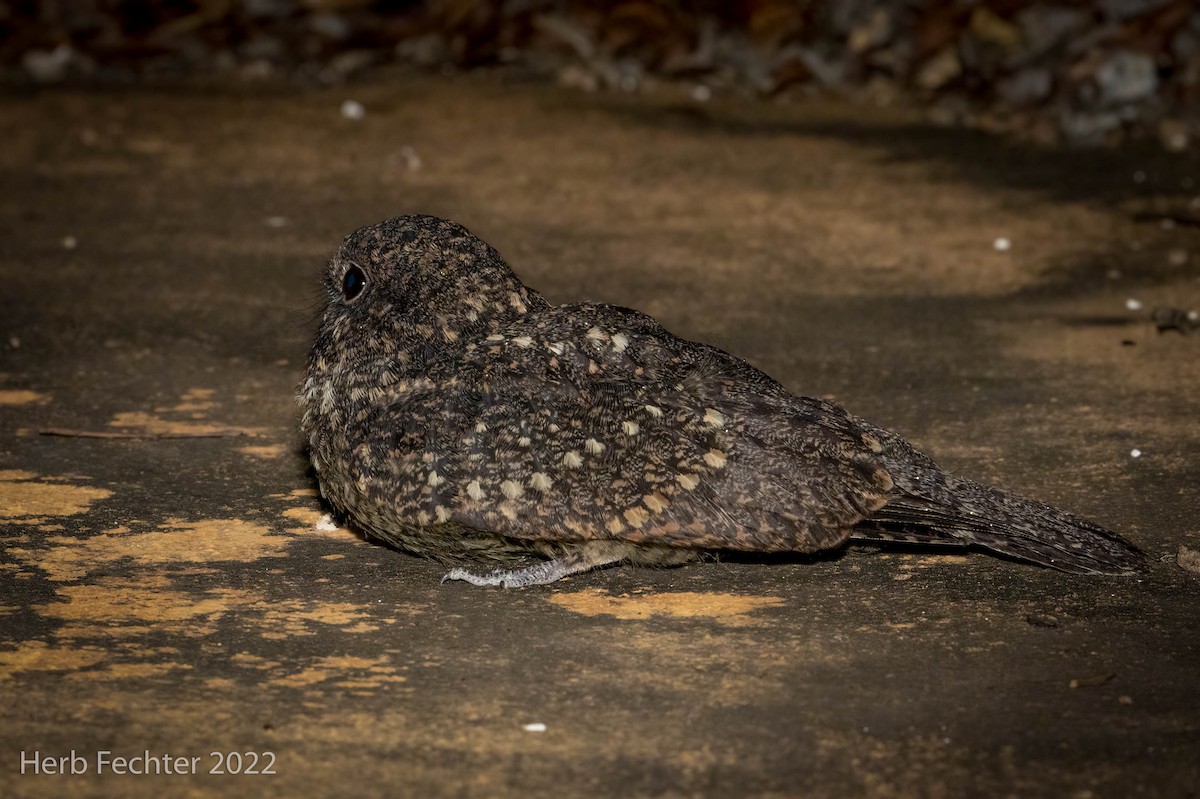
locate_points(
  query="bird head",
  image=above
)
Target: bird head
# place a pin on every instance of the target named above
(408, 289)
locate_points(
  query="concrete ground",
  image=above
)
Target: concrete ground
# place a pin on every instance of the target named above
(173, 594)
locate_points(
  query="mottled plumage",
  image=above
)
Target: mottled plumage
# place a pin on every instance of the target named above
(453, 412)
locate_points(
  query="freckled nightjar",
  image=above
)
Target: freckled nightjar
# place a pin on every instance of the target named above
(452, 412)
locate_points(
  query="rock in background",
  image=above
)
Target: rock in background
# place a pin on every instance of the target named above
(1083, 73)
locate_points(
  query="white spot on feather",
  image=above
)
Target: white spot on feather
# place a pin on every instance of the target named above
(620, 341)
(593, 446)
(631, 428)
(541, 481)
(511, 490)
(474, 490)
(572, 460)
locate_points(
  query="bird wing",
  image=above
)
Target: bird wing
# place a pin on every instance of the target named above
(585, 423)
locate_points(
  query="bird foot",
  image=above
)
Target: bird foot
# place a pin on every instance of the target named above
(537, 574)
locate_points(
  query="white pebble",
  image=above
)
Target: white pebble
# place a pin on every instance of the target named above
(536, 726)
(1135, 453)
(1133, 304)
(326, 524)
(353, 109)
(1002, 245)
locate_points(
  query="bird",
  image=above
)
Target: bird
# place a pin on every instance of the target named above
(452, 412)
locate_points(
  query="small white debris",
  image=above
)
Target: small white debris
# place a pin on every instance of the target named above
(411, 159)
(1002, 244)
(326, 524)
(69, 242)
(277, 221)
(1139, 177)
(536, 726)
(353, 109)
(1133, 304)
(1177, 257)
(1114, 274)
(1135, 453)
(701, 93)
(14, 342)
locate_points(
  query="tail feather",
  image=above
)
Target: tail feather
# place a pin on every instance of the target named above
(978, 515)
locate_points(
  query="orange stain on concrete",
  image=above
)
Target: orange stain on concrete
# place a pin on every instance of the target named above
(292, 618)
(41, 656)
(134, 605)
(156, 425)
(732, 609)
(176, 542)
(266, 452)
(351, 672)
(125, 671)
(23, 496)
(313, 522)
(11, 396)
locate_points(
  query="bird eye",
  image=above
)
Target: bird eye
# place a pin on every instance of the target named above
(353, 282)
